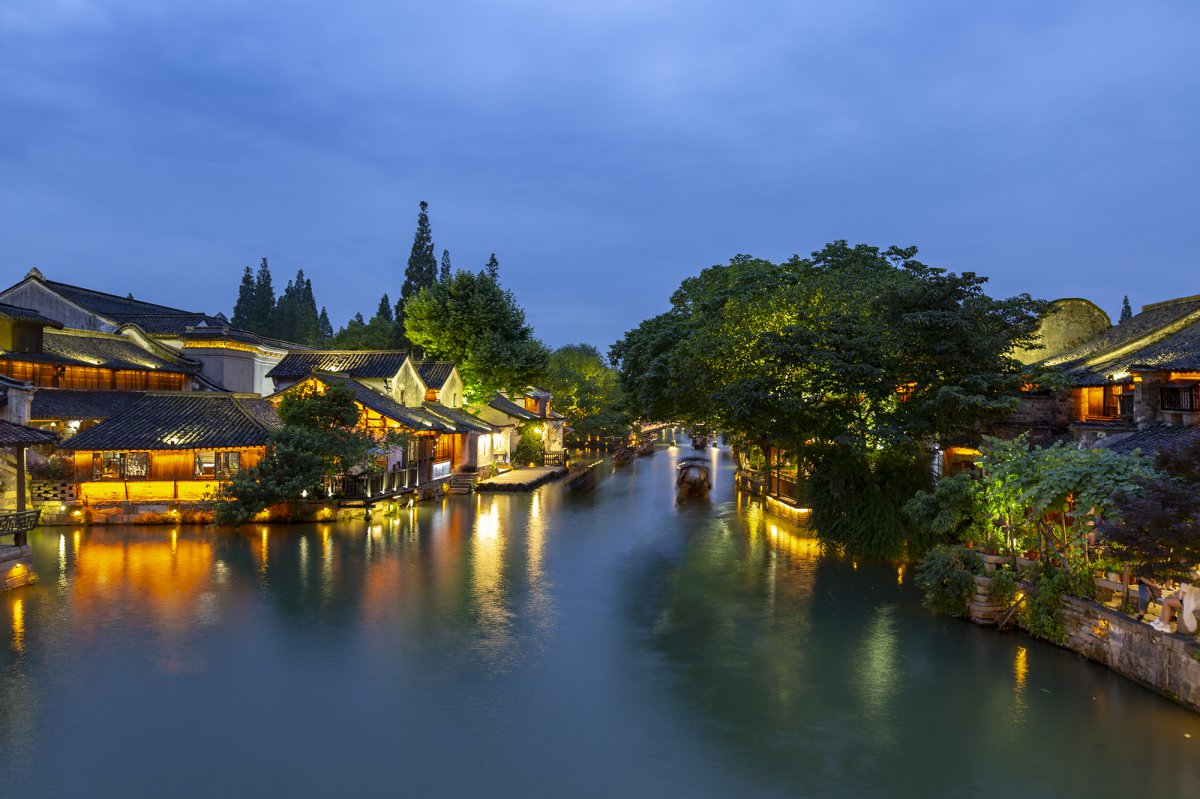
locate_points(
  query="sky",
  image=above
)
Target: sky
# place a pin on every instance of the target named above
(604, 151)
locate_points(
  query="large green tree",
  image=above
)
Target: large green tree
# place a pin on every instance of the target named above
(855, 360)
(475, 323)
(320, 436)
(585, 390)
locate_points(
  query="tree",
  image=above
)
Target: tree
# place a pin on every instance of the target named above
(473, 322)
(1126, 311)
(384, 311)
(446, 270)
(262, 318)
(243, 309)
(585, 390)
(295, 317)
(320, 436)
(326, 326)
(1159, 528)
(493, 268)
(422, 271)
(854, 360)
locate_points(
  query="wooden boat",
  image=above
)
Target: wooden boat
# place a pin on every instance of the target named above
(646, 448)
(622, 456)
(582, 477)
(693, 477)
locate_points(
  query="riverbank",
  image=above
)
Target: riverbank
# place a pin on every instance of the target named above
(1168, 663)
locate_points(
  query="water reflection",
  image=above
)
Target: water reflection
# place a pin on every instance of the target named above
(609, 643)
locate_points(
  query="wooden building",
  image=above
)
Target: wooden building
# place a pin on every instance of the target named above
(221, 356)
(1132, 377)
(168, 447)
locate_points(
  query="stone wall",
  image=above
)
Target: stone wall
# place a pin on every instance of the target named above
(16, 567)
(1168, 663)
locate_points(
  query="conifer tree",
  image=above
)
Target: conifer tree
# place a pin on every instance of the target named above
(1126, 311)
(326, 326)
(446, 270)
(422, 270)
(493, 268)
(261, 320)
(384, 311)
(243, 309)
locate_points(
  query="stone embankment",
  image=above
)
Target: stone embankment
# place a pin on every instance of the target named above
(1167, 662)
(16, 567)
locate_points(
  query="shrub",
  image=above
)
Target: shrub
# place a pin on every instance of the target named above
(946, 576)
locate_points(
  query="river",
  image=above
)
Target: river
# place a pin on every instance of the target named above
(549, 644)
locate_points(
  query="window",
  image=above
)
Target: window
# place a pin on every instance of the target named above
(120, 465)
(217, 464)
(444, 449)
(441, 470)
(1181, 398)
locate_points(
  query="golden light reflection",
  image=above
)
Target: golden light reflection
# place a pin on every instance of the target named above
(170, 582)
(487, 581)
(18, 626)
(264, 555)
(1021, 667)
(900, 574)
(62, 555)
(798, 546)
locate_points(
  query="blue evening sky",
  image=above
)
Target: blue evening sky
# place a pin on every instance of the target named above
(603, 150)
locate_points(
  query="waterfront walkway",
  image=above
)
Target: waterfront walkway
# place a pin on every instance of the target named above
(525, 479)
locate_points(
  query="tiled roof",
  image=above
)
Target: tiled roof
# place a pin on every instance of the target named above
(355, 363)
(1087, 365)
(111, 305)
(434, 373)
(1155, 439)
(19, 314)
(167, 324)
(416, 418)
(183, 420)
(13, 434)
(505, 405)
(463, 421)
(199, 334)
(89, 348)
(69, 403)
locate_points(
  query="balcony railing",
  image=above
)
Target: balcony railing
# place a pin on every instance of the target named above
(369, 486)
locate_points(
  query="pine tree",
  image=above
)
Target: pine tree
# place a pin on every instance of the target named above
(326, 326)
(284, 318)
(261, 321)
(493, 268)
(244, 307)
(1126, 311)
(307, 324)
(446, 271)
(384, 312)
(422, 268)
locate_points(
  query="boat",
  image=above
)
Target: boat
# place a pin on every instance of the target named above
(583, 477)
(646, 447)
(622, 456)
(693, 477)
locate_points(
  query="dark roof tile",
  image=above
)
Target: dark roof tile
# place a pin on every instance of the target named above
(435, 373)
(13, 434)
(183, 420)
(355, 363)
(69, 403)
(19, 314)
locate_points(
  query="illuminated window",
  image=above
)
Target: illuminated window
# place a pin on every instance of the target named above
(119, 465)
(217, 464)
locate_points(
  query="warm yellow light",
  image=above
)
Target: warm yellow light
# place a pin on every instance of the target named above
(18, 625)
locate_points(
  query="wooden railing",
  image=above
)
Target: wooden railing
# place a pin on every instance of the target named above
(555, 458)
(369, 486)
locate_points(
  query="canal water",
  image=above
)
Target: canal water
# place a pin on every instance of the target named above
(606, 644)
